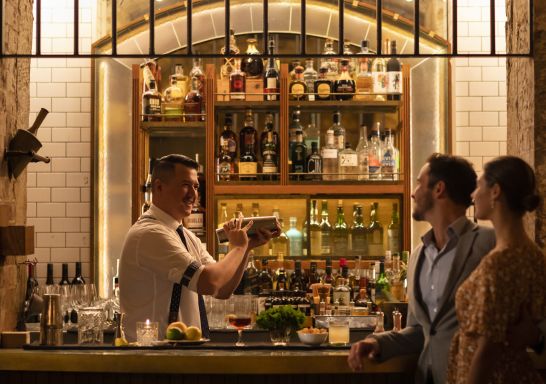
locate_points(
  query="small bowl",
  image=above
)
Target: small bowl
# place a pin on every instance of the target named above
(313, 338)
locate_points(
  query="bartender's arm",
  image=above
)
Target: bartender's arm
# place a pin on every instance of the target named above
(220, 279)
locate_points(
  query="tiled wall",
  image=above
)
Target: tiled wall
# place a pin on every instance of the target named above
(480, 85)
(59, 192)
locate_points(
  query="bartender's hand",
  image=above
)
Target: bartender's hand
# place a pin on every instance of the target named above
(364, 348)
(237, 235)
(263, 236)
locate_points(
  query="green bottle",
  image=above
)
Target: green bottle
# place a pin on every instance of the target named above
(393, 230)
(340, 233)
(359, 233)
(325, 231)
(375, 233)
(315, 233)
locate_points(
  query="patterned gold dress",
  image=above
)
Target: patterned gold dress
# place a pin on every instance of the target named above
(489, 301)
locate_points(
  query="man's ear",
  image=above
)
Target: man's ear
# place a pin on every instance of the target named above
(439, 189)
(157, 185)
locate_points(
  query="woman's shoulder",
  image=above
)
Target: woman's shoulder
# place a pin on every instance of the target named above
(524, 253)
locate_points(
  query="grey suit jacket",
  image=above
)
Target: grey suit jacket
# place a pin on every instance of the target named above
(433, 339)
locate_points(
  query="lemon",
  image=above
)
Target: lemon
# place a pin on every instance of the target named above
(174, 333)
(121, 342)
(193, 333)
(178, 324)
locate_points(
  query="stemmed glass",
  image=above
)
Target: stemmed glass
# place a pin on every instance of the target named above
(240, 315)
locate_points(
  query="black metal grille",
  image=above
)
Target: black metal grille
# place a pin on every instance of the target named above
(302, 51)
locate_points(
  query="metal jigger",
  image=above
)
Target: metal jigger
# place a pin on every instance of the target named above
(51, 324)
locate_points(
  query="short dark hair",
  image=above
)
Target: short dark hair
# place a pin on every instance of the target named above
(516, 179)
(457, 174)
(164, 166)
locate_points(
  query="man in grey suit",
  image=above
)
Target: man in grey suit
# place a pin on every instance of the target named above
(449, 253)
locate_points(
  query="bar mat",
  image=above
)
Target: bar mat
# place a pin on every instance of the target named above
(218, 346)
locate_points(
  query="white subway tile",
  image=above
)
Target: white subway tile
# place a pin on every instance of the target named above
(43, 256)
(85, 135)
(85, 165)
(484, 148)
(78, 90)
(85, 255)
(51, 180)
(39, 167)
(85, 104)
(45, 240)
(31, 209)
(66, 105)
(36, 103)
(478, 28)
(494, 73)
(461, 62)
(468, 134)
(33, 91)
(85, 30)
(502, 148)
(86, 74)
(502, 88)
(486, 119)
(85, 194)
(51, 90)
(54, 150)
(483, 88)
(470, 44)
(78, 149)
(51, 63)
(461, 148)
(78, 120)
(462, 28)
(65, 195)
(77, 179)
(468, 14)
(44, 135)
(65, 135)
(53, 30)
(40, 75)
(85, 16)
(461, 119)
(31, 179)
(69, 164)
(39, 195)
(483, 62)
(85, 225)
(494, 104)
(55, 120)
(77, 240)
(64, 224)
(468, 74)
(86, 269)
(461, 88)
(78, 210)
(463, 104)
(78, 63)
(66, 255)
(502, 119)
(40, 224)
(494, 133)
(51, 210)
(66, 75)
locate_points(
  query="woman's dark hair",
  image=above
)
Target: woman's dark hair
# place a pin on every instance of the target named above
(516, 180)
(457, 174)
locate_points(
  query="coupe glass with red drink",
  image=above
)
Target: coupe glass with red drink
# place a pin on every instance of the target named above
(240, 314)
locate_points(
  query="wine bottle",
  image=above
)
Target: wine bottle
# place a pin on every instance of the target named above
(394, 75)
(64, 278)
(78, 278)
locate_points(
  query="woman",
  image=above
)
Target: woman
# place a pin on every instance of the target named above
(512, 276)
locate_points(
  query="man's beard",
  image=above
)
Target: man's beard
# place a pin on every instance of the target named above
(425, 205)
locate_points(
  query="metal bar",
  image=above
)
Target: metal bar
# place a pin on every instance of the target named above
(417, 26)
(38, 27)
(303, 27)
(76, 27)
(492, 26)
(227, 26)
(341, 33)
(151, 21)
(189, 27)
(114, 32)
(266, 25)
(379, 24)
(531, 28)
(455, 27)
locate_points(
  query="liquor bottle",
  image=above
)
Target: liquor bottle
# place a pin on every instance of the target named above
(314, 164)
(310, 76)
(354, 279)
(344, 86)
(352, 63)
(182, 80)
(298, 157)
(197, 73)
(371, 282)
(340, 233)
(325, 231)
(270, 150)
(328, 278)
(264, 249)
(393, 230)
(375, 233)
(359, 234)
(147, 188)
(228, 151)
(251, 285)
(229, 62)
(151, 103)
(329, 157)
(193, 103)
(297, 280)
(295, 238)
(279, 245)
(339, 132)
(237, 82)
(265, 279)
(364, 78)
(362, 150)
(331, 63)
(78, 278)
(252, 66)
(174, 98)
(64, 278)
(314, 230)
(195, 222)
(228, 137)
(348, 163)
(248, 165)
(394, 75)
(271, 77)
(293, 130)
(382, 286)
(50, 286)
(311, 134)
(294, 65)
(223, 217)
(115, 284)
(375, 155)
(380, 79)
(342, 293)
(314, 276)
(343, 270)
(282, 281)
(149, 72)
(388, 160)
(298, 88)
(269, 127)
(323, 85)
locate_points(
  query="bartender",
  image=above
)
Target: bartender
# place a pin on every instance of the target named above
(164, 271)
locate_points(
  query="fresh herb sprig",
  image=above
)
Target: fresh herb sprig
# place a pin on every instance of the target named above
(282, 317)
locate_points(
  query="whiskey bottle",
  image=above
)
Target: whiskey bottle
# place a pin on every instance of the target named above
(323, 85)
(352, 63)
(364, 78)
(227, 150)
(339, 131)
(252, 66)
(173, 98)
(310, 76)
(271, 77)
(325, 231)
(182, 80)
(273, 142)
(279, 245)
(237, 83)
(252, 286)
(151, 103)
(270, 167)
(294, 65)
(248, 165)
(394, 75)
(311, 134)
(331, 63)
(229, 62)
(375, 155)
(348, 163)
(295, 239)
(388, 159)
(297, 280)
(298, 157)
(375, 233)
(344, 86)
(298, 88)
(265, 279)
(362, 150)
(193, 103)
(314, 230)
(380, 80)
(226, 164)
(329, 157)
(293, 130)
(359, 234)
(393, 231)
(314, 164)
(340, 233)
(264, 249)
(197, 73)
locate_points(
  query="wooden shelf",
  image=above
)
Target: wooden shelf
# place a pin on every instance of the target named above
(243, 104)
(310, 189)
(155, 125)
(359, 106)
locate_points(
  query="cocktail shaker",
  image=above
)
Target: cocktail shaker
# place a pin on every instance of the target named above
(51, 324)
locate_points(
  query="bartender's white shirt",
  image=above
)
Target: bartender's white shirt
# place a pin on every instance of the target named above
(152, 260)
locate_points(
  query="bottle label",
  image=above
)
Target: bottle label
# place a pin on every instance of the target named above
(394, 82)
(329, 153)
(348, 160)
(247, 168)
(298, 89)
(151, 106)
(339, 142)
(394, 239)
(229, 143)
(364, 86)
(387, 164)
(323, 90)
(192, 108)
(343, 298)
(195, 221)
(269, 168)
(271, 85)
(380, 81)
(316, 243)
(313, 166)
